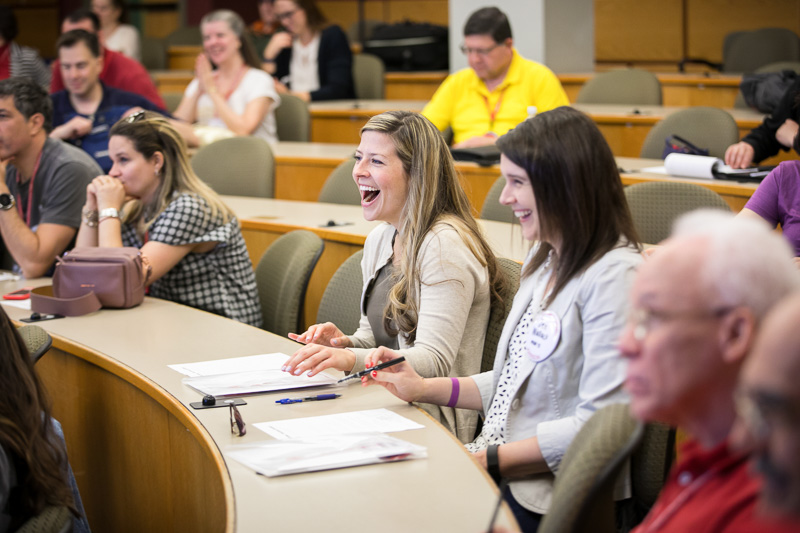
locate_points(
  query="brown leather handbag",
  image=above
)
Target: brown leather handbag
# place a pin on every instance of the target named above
(88, 278)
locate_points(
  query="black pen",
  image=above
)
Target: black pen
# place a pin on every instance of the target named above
(359, 375)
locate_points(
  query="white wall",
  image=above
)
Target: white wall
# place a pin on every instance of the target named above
(558, 33)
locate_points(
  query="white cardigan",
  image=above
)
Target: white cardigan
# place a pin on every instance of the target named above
(453, 309)
(585, 372)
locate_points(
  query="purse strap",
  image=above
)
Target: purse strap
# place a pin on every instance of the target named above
(43, 301)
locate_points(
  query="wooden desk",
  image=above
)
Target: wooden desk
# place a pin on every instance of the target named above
(264, 220)
(412, 85)
(340, 121)
(678, 89)
(172, 81)
(146, 461)
(182, 57)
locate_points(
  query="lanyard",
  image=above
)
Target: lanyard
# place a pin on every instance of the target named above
(27, 215)
(493, 113)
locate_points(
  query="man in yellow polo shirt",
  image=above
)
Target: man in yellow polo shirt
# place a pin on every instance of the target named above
(486, 100)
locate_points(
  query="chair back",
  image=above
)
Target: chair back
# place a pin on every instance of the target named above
(282, 277)
(238, 166)
(51, 520)
(745, 51)
(341, 301)
(631, 86)
(655, 205)
(154, 54)
(184, 36)
(293, 119)
(172, 100)
(499, 312)
(583, 492)
(650, 465)
(492, 208)
(37, 340)
(706, 127)
(340, 188)
(368, 71)
(772, 67)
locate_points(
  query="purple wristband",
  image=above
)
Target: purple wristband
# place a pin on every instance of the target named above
(454, 394)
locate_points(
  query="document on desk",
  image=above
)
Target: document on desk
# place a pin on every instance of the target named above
(311, 454)
(246, 375)
(354, 422)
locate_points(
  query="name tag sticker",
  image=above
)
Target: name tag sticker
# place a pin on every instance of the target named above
(544, 336)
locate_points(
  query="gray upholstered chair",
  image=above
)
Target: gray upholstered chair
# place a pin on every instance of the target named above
(239, 166)
(492, 208)
(51, 520)
(368, 71)
(154, 54)
(772, 67)
(172, 100)
(184, 36)
(499, 312)
(655, 205)
(341, 301)
(36, 339)
(282, 277)
(705, 127)
(340, 188)
(745, 51)
(624, 86)
(650, 465)
(583, 492)
(293, 119)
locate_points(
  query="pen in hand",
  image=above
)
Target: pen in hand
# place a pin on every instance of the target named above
(359, 375)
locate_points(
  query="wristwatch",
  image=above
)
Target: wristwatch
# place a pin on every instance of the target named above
(7, 201)
(493, 462)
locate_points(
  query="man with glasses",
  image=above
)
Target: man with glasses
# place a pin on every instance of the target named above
(768, 403)
(45, 181)
(696, 304)
(493, 95)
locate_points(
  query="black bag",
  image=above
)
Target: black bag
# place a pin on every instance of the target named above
(765, 91)
(484, 156)
(410, 46)
(679, 145)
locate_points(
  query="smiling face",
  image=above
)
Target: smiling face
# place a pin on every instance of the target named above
(79, 69)
(381, 179)
(137, 174)
(518, 195)
(219, 41)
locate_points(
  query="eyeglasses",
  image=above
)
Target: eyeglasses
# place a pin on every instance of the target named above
(237, 422)
(480, 51)
(761, 411)
(643, 320)
(283, 17)
(130, 119)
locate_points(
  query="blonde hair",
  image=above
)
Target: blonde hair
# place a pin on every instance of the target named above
(434, 196)
(150, 133)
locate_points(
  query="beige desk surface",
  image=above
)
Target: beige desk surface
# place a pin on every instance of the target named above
(446, 492)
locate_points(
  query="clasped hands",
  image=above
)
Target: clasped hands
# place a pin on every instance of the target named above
(105, 192)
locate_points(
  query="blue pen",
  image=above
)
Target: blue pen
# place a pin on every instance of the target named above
(316, 398)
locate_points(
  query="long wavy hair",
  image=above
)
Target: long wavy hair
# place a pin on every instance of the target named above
(434, 195)
(26, 431)
(150, 133)
(577, 189)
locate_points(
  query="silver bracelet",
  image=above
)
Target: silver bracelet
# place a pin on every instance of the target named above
(90, 217)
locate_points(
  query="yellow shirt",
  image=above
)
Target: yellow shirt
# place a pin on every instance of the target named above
(464, 103)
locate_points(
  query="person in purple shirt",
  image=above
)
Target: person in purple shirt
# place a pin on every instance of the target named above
(777, 200)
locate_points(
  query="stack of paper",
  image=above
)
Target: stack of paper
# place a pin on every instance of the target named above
(310, 454)
(246, 375)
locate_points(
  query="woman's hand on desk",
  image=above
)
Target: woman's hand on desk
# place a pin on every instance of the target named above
(314, 358)
(326, 334)
(739, 155)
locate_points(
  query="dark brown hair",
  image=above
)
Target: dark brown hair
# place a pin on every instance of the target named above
(314, 17)
(577, 188)
(26, 431)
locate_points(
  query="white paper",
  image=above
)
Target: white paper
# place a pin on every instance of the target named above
(370, 421)
(250, 363)
(256, 381)
(691, 166)
(5, 275)
(22, 304)
(282, 457)
(654, 170)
